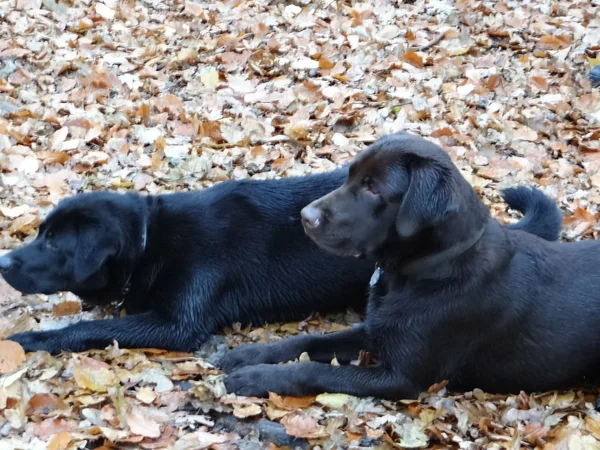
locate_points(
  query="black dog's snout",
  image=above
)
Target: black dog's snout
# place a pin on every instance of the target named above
(6, 263)
(311, 217)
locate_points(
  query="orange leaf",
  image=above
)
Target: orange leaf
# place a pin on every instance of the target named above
(44, 403)
(325, 63)
(539, 82)
(342, 78)
(290, 403)
(68, 308)
(49, 157)
(549, 42)
(12, 356)
(60, 441)
(413, 58)
(494, 81)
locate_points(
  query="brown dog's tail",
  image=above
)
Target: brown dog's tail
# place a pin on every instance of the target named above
(542, 216)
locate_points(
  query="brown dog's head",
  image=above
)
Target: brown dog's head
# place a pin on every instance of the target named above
(399, 189)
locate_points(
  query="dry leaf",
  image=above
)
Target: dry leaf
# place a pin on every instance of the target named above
(290, 403)
(335, 401)
(94, 375)
(243, 412)
(143, 426)
(303, 426)
(68, 308)
(12, 356)
(413, 58)
(60, 441)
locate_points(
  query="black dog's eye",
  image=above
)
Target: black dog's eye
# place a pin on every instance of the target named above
(49, 241)
(367, 182)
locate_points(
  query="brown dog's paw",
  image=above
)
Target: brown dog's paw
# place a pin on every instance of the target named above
(253, 381)
(247, 355)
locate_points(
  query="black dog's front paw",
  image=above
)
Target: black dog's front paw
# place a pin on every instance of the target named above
(33, 341)
(247, 355)
(258, 381)
(252, 381)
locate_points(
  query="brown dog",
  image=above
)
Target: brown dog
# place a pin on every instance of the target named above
(455, 295)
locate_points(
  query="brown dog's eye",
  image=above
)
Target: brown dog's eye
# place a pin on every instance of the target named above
(369, 185)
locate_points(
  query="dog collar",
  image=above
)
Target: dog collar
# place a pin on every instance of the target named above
(127, 286)
(443, 256)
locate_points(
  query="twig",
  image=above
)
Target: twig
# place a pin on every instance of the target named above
(436, 41)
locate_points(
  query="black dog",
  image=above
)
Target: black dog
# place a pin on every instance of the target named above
(189, 264)
(185, 264)
(455, 295)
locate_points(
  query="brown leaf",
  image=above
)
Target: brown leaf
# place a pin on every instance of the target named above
(49, 157)
(413, 58)
(290, 403)
(549, 42)
(44, 404)
(67, 308)
(303, 426)
(12, 356)
(539, 82)
(60, 441)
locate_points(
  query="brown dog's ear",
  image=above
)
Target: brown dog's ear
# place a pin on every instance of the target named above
(428, 200)
(94, 248)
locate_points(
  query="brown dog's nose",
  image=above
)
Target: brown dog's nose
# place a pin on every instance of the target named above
(311, 217)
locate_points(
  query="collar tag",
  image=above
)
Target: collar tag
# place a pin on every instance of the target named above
(375, 276)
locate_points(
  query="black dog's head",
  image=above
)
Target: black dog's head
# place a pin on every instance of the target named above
(74, 248)
(398, 188)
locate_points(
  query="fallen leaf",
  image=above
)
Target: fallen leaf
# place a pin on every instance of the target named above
(242, 412)
(335, 401)
(290, 403)
(303, 426)
(143, 426)
(413, 58)
(12, 356)
(60, 441)
(94, 375)
(67, 308)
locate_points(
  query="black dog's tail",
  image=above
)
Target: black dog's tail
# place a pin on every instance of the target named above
(542, 216)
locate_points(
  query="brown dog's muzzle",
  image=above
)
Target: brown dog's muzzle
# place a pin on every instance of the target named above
(311, 217)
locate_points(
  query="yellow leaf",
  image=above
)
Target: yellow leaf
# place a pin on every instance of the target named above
(460, 51)
(60, 441)
(93, 375)
(335, 401)
(241, 412)
(209, 77)
(594, 62)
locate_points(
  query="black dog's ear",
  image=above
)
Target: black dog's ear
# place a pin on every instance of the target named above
(428, 200)
(94, 248)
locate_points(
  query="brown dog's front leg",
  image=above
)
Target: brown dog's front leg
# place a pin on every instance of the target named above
(314, 378)
(343, 345)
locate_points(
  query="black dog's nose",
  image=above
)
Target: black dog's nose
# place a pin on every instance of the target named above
(311, 217)
(5, 263)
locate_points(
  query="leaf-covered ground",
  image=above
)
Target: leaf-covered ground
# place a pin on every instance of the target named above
(164, 95)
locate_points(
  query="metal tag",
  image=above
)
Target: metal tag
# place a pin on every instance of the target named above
(375, 277)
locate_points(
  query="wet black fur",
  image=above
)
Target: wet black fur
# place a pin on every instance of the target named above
(234, 252)
(511, 312)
